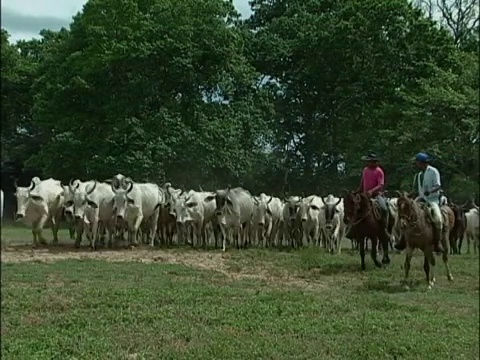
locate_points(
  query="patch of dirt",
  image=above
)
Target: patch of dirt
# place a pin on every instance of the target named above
(213, 261)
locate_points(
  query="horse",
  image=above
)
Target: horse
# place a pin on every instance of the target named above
(415, 221)
(363, 216)
(457, 232)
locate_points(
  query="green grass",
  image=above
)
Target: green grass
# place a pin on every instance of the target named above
(250, 304)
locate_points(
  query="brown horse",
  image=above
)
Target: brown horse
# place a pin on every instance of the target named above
(362, 215)
(415, 221)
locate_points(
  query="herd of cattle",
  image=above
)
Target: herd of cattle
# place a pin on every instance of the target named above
(152, 214)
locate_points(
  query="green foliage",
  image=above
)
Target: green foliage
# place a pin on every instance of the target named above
(186, 92)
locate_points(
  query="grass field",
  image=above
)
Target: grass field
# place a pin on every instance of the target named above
(61, 303)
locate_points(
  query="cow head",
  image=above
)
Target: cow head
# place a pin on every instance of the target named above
(23, 197)
(292, 204)
(262, 210)
(223, 201)
(330, 210)
(80, 198)
(122, 199)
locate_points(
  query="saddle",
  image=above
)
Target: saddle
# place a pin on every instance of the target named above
(429, 212)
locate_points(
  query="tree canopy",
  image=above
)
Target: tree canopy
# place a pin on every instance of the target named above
(286, 100)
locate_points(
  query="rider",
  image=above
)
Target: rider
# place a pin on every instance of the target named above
(373, 182)
(428, 185)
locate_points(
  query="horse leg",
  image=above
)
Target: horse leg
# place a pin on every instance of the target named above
(373, 252)
(444, 241)
(408, 260)
(361, 244)
(384, 240)
(426, 268)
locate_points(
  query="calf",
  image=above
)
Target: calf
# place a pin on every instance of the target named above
(40, 202)
(291, 223)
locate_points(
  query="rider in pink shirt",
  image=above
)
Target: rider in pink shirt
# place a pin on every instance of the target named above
(373, 182)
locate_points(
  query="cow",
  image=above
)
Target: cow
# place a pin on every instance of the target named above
(169, 221)
(458, 231)
(309, 213)
(93, 205)
(261, 219)
(38, 203)
(120, 226)
(136, 203)
(199, 212)
(275, 211)
(334, 225)
(472, 230)
(68, 211)
(234, 210)
(291, 230)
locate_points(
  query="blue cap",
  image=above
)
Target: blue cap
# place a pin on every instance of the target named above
(422, 157)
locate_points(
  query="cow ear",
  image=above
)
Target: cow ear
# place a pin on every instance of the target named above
(130, 200)
(229, 202)
(209, 198)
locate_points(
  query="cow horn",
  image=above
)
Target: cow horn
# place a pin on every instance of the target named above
(339, 201)
(32, 185)
(126, 182)
(129, 185)
(323, 199)
(167, 185)
(200, 188)
(269, 201)
(93, 188)
(15, 183)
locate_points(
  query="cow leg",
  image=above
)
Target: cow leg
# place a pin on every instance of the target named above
(39, 228)
(79, 231)
(136, 227)
(94, 235)
(224, 238)
(54, 230)
(34, 234)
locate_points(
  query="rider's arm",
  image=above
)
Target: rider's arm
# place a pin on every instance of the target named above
(436, 183)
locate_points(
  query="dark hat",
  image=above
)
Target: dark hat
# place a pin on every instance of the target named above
(370, 157)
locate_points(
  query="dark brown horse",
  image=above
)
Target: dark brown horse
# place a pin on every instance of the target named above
(362, 216)
(457, 233)
(415, 221)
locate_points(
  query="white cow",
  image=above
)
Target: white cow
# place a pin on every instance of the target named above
(93, 205)
(199, 211)
(333, 220)
(275, 212)
(472, 231)
(310, 210)
(261, 219)
(119, 180)
(234, 210)
(138, 202)
(40, 202)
